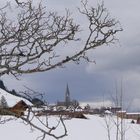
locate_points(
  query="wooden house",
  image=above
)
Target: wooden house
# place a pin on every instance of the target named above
(17, 110)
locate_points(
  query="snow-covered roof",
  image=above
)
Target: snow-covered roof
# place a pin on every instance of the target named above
(135, 113)
(108, 112)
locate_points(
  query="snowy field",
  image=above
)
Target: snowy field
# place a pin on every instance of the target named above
(93, 128)
(78, 129)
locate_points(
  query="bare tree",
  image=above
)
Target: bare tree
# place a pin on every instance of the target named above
(30, 43)
(40, 123)
(35, 97)
(117, 121)
(45, 128)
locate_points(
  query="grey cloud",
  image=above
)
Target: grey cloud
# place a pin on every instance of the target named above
(121, 59)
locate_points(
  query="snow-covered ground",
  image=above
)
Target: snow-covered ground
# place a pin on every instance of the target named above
(78, 129)
(93, 128)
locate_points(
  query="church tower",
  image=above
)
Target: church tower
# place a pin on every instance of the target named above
(67, 96)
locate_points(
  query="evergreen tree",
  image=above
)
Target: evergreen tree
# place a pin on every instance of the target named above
(3, 102)
(2, 86)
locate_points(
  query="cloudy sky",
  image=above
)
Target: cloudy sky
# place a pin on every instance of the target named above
(115, 64)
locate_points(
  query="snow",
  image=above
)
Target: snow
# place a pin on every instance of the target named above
(95, 127)
(134, 113)
(11, 99)
(80, 129)
(108, 112)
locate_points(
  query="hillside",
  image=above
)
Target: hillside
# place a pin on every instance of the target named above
(11, 99)
(95, 127)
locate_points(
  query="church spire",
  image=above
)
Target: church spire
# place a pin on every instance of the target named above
(67, 95)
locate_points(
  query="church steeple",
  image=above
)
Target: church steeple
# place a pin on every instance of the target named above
(68, 102)
(67, 95)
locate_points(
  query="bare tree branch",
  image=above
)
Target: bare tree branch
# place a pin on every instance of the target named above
(30, 44)
(30, 118)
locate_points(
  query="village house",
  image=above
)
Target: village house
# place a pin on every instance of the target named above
(125, 115)
(17, 110)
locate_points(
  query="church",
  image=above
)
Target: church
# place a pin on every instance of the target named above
(68, 102)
